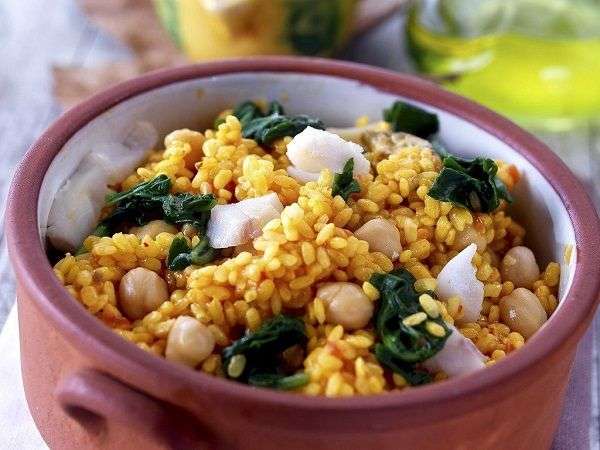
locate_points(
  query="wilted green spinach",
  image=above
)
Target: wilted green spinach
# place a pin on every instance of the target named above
(101, 230)
(182, 255)
(148, 190)
(411, 119)
(261, 351)
(403, 346)
(265, 128)
(246, 111)
(472, 184)
(151, 200)
(344, 183)
(185, 208)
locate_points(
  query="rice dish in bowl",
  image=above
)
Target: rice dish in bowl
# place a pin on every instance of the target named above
(275, 251)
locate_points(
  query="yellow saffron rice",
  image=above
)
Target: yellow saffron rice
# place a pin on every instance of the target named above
(310, 243)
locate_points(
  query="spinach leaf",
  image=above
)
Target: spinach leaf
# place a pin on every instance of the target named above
(403, 346)
(344, 183)
(471, 184)
(262, 350)
(266, 128)
(411, 119)
(275, 108)
(101, 230)
(136, 211)
(218, 121)
(412, 374)
(178, 257)
(203, 253)
(149, 190)
(188, 208)
(181, 255)
(151, 200)
(278, 381)
(138, 205)
(246, 111)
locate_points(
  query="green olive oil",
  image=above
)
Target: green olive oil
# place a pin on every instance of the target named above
(549, 80)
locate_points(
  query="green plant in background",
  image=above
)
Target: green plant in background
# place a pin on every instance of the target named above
(534, 60)
(313, 28)
(167, 10)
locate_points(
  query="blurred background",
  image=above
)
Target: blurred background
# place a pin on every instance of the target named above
(533, 60)
(536, 61)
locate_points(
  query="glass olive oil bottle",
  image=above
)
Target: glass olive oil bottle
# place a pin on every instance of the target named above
(537, 61)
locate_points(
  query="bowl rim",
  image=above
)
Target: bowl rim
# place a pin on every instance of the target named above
(85, 332)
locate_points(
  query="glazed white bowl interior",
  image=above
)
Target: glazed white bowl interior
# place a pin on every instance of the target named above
(338, 102)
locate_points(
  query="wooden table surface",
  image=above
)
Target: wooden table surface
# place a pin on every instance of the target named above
(36, 34)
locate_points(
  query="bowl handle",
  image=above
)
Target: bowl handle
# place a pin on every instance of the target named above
(97, 400)
(371, 12)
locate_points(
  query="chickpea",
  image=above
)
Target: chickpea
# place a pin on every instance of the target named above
(467, 237)
(141, 291)
(190, 342)
(520, 267)
(346, 303)
(382, 236)
(522, 311)
(153, 229)
(193, 138)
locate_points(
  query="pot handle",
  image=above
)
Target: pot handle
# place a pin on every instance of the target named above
(371, 12)
(97, 400)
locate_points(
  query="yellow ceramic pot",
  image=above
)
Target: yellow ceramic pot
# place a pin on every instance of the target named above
(209, 29)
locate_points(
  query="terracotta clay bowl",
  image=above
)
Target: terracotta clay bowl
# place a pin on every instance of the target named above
(86, 386)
